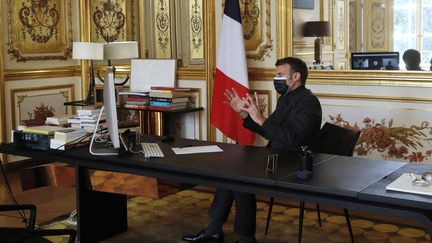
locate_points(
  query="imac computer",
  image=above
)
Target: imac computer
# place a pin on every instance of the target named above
(375, 60)
(110, 108)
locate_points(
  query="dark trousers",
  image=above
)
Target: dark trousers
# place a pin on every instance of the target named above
(245, 219)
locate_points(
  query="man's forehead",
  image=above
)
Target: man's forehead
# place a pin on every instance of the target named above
(283, 68)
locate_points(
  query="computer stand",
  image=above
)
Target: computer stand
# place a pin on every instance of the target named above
(100, 151)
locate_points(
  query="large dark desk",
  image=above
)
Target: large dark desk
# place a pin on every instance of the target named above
(339, 181)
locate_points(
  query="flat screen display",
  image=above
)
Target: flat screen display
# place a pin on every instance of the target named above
(375, 60)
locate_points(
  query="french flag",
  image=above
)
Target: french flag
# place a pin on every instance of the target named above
(231, 72)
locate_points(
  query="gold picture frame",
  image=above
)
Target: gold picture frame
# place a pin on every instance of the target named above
(29, 104)
(39, 30)
(111, 21)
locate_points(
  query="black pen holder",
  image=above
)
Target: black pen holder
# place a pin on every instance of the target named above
(306, 163)
(305, 168)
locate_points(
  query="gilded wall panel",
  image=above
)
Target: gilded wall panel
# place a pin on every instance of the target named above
(111, 20)
(39, 30)
(376, 25)
(340, 25)
(353, 38)
(196, 40)
(256, 22)
(162, 28)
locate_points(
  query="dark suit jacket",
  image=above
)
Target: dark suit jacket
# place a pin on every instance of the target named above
(295, 122)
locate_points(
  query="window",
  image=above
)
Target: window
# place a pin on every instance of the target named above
(413, 28)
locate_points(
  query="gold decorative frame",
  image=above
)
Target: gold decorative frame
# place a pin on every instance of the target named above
(27, 99)
(111, 20)
(30, 39)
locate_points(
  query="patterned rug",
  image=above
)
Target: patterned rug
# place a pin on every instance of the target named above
(168, 219)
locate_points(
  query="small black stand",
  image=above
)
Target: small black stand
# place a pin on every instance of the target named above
(306, 165)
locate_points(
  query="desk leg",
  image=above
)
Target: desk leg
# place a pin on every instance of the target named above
(100, 214)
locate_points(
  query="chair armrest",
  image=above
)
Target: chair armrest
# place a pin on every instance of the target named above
(49, 232)
(32, 208)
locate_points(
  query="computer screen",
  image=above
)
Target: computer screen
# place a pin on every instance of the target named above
(111, 108)
(375, 60)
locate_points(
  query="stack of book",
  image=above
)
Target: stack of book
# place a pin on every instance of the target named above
(169, 99)
(86, 119)
(58, 120)
(137, 100)
(67, 136)
(44, 130)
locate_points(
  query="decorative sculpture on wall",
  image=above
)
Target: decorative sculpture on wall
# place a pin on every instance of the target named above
(39, 28)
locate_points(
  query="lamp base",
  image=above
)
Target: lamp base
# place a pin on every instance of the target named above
(317, 51)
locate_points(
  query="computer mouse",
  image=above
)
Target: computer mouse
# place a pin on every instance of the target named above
(167, 139)
(427, 176)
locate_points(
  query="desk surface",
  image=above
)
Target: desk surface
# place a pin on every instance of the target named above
(333, 175)
(377, 192)
(343, 176)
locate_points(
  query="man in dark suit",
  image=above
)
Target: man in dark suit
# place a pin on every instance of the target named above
(295, 122)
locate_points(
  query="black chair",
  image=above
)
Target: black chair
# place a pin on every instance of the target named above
(333, 140)
(30, 233)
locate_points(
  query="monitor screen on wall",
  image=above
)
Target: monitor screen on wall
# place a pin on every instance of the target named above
(375, 61)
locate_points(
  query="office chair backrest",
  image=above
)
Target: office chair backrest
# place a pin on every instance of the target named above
(338, 140)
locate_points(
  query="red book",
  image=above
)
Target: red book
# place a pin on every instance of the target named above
(169, 88)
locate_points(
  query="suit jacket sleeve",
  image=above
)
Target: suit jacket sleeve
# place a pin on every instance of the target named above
(253, 126)
(297, 129)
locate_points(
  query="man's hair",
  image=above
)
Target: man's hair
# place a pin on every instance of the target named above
(297, 65)
(412, 59)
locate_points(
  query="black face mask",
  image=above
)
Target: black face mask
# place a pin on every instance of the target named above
(280, 85)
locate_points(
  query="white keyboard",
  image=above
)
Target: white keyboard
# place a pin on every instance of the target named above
(152, 150)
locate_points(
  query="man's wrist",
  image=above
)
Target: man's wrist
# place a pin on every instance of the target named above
(243, 114)
(261, 121)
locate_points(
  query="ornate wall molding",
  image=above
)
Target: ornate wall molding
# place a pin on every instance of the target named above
(370, 78)
(50, 72)
(39, 30)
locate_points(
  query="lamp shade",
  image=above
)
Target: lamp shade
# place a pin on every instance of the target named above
(121, 50)
(88, 50)
(317, 28)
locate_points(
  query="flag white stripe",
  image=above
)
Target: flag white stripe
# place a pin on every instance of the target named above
(231, 57)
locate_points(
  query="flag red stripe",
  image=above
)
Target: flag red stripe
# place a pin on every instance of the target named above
(222, 116)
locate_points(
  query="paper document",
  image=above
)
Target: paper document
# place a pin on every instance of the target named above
(404, 184)
(197, 149)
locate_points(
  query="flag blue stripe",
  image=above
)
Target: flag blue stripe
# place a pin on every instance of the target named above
(232, 10)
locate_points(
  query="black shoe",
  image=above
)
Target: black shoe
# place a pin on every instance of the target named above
(204, 236)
